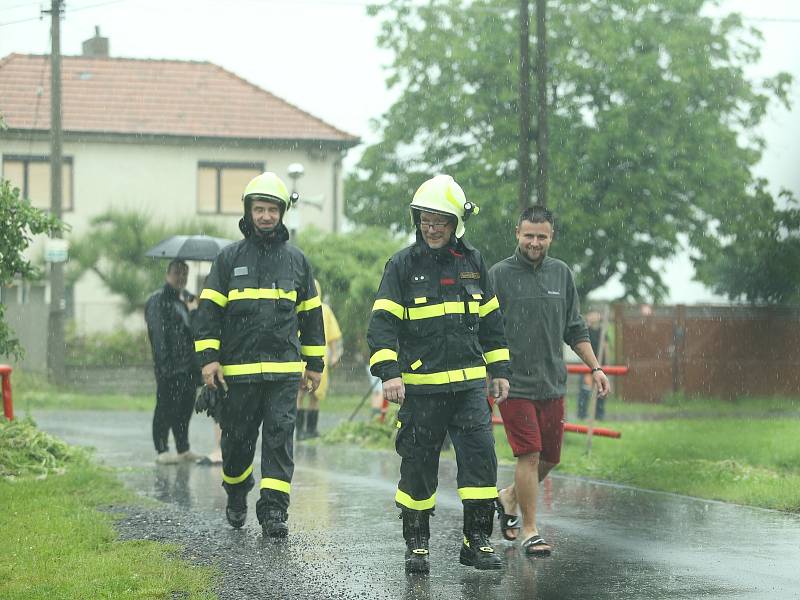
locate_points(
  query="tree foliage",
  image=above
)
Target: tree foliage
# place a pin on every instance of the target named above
(114, 250)
(349, 268)
(19, 222)
(759, 259)
(651, 123)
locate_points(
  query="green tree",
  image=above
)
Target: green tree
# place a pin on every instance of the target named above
(349, 268)
(19, 222)
(651, 127)
(114, 250)
(759, 257)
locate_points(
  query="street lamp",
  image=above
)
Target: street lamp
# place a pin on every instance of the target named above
(295, 171)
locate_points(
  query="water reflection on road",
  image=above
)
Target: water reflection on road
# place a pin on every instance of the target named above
(610, 541)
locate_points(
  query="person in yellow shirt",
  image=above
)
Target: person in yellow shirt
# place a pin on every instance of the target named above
(307, 419)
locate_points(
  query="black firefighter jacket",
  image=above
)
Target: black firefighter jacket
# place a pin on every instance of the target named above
(435, 321)
(170, 331)
(257, 297)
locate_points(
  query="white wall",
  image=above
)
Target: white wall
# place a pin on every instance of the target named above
(161, 179)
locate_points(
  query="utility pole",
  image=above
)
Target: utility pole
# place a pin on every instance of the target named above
(55, 332)
(541, 101)
(524, 158)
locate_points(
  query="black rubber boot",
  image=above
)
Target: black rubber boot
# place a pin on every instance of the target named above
(477, 550)
(274, 524)
(236, 509)
(300, 424)
(312, 418)
(416, 531)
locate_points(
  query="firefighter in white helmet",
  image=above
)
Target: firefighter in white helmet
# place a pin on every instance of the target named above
(259, 296)
(435, 334)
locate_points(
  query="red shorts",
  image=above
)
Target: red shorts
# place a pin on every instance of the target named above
(534, 426)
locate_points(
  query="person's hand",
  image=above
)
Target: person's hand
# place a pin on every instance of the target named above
(193, 304)
(601, 380)
(500, 389)
(394, 390)
(311, 381)
(213, 372)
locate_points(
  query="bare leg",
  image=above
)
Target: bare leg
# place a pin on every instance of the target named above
(529, 472)
(216, 456)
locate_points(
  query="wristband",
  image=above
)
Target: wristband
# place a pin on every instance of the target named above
(597, 369)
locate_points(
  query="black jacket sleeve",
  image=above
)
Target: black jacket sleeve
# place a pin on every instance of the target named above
(207, 323)
(384, 325)
(156, 332)
(491, 332)
(310, 322)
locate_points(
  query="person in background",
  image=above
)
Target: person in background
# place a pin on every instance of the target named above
(168, 313)
(541, 312)
(307, 419)
(593, 322)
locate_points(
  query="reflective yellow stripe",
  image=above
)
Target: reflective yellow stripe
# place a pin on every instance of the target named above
(422, 300)
(264, 367)
(491, 305)
(416, 365)
(404, 499)
(262, 294)
(444, 376)
(214, 296)
(309, 304)
(389, 306)
(275, 484)
(382, 355)
(312, 350)
(201, 345)
(477, 493)
(240, 478)
(439, 310)
(495, 355)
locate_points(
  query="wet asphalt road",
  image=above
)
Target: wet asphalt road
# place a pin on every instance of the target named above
(346, 542)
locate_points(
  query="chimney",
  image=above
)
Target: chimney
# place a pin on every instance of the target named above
(96, 46)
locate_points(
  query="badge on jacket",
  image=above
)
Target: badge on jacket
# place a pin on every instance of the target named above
(469, 275)
(237, 271)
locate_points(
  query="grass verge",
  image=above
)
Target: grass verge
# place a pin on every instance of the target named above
(56, 543)
(732, 458)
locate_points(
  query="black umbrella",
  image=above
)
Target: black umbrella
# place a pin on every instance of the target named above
(189, 247)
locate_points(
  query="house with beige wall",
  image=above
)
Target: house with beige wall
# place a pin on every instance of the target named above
(176, 139)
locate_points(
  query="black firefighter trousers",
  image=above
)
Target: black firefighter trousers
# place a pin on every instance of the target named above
(247, 407)
(424, 421)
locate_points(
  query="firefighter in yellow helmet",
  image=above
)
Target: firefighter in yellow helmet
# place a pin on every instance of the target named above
(435, 335)
(259, 334)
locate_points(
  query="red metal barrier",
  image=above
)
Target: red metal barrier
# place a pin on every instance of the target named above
(602, 431)
(8, 406)
(607, 369)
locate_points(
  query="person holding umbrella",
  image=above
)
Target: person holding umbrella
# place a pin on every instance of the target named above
(259, 321)
(168, 313)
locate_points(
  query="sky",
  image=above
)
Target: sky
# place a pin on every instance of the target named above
(322, 55)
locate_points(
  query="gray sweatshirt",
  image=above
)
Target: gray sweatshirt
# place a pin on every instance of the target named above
(541, 310)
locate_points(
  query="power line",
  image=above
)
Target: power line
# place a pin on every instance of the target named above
(365, 3)
(66, 11)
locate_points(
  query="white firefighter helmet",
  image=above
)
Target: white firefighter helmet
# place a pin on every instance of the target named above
(269, 186)
(442, 195)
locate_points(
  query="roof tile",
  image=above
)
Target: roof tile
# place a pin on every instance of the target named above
(152, 97)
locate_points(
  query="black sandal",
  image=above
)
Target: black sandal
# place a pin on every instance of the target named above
(533, 546)
(507, 522)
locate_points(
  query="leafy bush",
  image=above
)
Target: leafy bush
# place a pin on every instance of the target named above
(119, 348)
